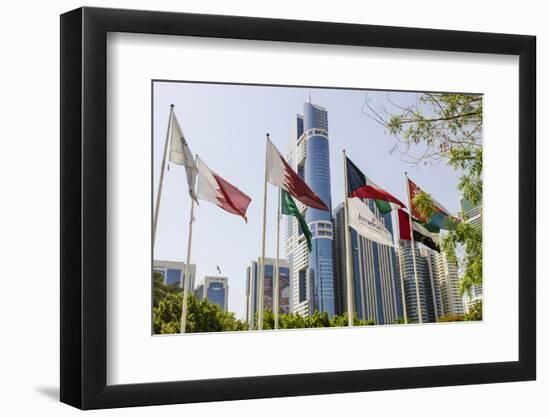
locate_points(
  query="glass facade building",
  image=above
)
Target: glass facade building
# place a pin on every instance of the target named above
(376, 277)
(312, 272)
(173, 272)
(215, 289)
(252, 277)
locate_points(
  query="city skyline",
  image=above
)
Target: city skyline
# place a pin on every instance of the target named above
(262, 110)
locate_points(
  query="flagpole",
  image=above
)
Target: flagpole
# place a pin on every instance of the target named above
(402, 280)
(161, 180)
(186, 279)
(418, 304)
(260, 325)
(349, 265)
(276, 275)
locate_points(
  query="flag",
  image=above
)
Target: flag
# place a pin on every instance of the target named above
(360, 186)
(280, 174)
(213, 188)
(365, 222)
(441, 219)
(420, 233)
(180, 154)
(288, 207)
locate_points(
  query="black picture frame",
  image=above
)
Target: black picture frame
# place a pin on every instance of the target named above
(84, 207)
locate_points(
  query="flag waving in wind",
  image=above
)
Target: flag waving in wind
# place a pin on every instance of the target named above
(420, 233)
(288, 207)
(360, 186)
(281, 174)
(213, 188)
(440, 219)
(365, 222)
(180, 154)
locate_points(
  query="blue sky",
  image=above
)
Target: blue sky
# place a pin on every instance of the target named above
(226, 126)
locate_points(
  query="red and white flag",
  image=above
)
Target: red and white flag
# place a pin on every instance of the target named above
(213, 188)
(281, 174)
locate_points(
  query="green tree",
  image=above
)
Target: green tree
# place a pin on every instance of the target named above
(160, 290)
(202, 316)
(292, 321)
(444, 127)
(450, 318)
(476, 312)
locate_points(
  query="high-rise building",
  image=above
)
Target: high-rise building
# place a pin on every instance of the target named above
(438, 283)
(312, 272)
(173, 272)
(446, 277)
(473, 215)
(215, 290)
(430, 300)
(252, 278)
(376, 278)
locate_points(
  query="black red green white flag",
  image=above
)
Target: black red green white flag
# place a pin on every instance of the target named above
(420, 233)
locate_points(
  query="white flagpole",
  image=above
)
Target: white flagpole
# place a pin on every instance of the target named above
(418, 304)
(276, 274)
(161, 180)
(349, 264)
(186, 278)
(400, 260)
(260, 325)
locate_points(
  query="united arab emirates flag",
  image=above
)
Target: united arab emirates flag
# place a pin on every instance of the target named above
(420, 233)
(360, 186)
(288, 207)
(440, 219)
(281, 174)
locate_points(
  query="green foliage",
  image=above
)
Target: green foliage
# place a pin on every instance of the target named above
(450, 318)
(470, 237)
(445, 127)
(202, 316)
(161, 291)
(476, 312)
(318, 319)
(424, 204)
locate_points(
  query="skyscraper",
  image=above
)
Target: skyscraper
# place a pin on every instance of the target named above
(376, 278)
(473, 215)
(429, 294)
(438, 283)
(252, 276)
(312, 272)
(215, 290)
(446, 277)
(173, 272)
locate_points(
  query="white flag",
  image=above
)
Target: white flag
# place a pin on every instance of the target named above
(365, 222)
(180, 154)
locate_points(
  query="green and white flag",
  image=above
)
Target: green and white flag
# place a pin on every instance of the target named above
(289, 208)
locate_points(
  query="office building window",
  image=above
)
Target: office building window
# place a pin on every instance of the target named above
(302, 285)
(173, 277)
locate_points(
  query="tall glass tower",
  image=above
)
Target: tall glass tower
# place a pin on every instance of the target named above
(317, 176)
(312, 272)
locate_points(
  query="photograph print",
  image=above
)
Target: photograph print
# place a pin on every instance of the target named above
(297, 207)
